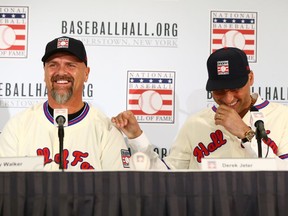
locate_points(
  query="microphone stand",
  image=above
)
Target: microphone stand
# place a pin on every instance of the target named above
(61, 137)
(60, 121)
(259, 136)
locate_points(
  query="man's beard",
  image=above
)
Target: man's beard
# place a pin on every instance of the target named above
(62, 98)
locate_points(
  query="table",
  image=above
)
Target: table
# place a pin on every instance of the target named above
(133, 193)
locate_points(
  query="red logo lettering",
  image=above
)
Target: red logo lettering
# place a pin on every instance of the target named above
(46, 153)
(86, 166)
(217, 141)
(78, 157)
(200, 151)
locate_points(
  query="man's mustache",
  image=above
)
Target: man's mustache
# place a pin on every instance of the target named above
(61, 77)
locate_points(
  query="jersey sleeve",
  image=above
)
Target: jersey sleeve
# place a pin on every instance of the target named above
(115, 154)
(9, 139)
(142, 144)
(282, 150)
(180, 153)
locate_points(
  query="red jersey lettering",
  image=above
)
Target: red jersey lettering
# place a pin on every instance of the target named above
(46, 153)
(78, 157)
(217, 141)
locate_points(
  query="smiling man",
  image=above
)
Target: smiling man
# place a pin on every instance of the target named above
(90, 142)
(224, 130)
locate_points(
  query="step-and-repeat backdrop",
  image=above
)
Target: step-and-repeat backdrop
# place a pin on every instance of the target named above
(148, 56)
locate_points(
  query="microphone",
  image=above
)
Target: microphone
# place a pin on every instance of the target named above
(60, 116)
(257, 122)
(60, 119)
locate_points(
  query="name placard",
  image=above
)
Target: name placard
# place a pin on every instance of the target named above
(241, 164)
(25, 164)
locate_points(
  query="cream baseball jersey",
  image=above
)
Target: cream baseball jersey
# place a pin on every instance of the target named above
(90, 140)
(201, 138)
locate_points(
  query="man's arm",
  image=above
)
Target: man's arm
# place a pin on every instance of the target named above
(127, 123)
(137, 140)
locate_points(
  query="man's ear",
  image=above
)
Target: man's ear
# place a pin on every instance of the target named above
(251, 78)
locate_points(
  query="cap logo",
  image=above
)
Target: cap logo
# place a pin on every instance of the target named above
(222, 67)
(63, 43)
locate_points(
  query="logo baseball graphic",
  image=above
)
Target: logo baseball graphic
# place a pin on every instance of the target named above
(233, 38)
(222, 67)
(234, 29)
(13, 32)
(7, 37)
(150, 96)
(63, 43)
(150, 102)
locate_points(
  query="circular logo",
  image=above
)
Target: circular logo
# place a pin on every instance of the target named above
(150, 102)
(7, 37)
(233, 38)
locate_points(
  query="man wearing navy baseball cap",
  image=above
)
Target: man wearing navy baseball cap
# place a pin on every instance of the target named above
(66, 44)
(91, 141)
(64, 85)
(228, 68)
(230, 79)
(227, 129)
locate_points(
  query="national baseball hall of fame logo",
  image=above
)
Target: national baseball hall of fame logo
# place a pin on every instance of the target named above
(151, 95)
(234, 29)
(13, 32)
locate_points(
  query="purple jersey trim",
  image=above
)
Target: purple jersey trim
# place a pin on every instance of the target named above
(285, 156)
(71, 121)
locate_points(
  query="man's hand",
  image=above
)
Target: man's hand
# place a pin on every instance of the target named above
(231, 121)
(127, 123)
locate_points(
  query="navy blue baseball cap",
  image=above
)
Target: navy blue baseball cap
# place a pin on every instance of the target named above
(228, 68)
(66, 44)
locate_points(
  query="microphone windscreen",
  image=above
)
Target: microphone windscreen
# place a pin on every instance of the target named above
(60, 120)
(60, 117)
(256, 116)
